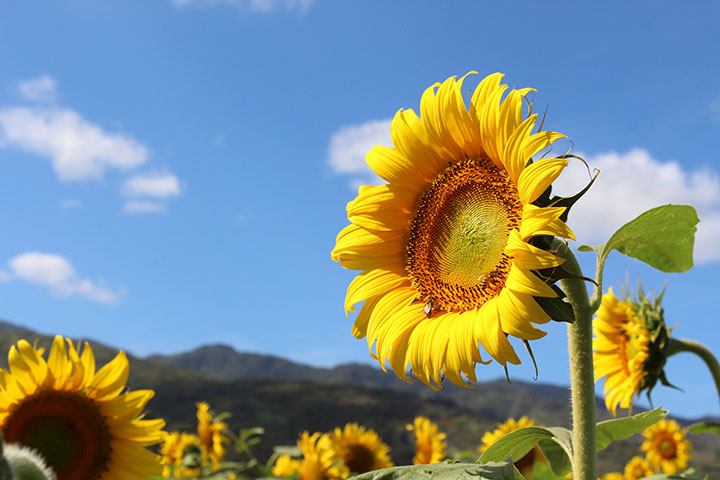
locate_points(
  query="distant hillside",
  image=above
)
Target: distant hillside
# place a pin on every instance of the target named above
(285, 398)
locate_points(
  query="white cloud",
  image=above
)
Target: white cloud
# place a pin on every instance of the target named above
(40, 89)
(348, 146)
(78, 149)
(71, 204)
(139, 207)
(55, 273)
(633, 182)
(255, 6)
(156, 185)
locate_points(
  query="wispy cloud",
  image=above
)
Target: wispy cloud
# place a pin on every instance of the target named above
(57, 274)
(634, 181)
(348, 146)
(40, 89)
(148, 191)
(139, 207)
(78, 149)
(253, 6)
(71, 204)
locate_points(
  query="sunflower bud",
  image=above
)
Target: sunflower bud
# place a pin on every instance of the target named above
(25, 464)
(652, 314)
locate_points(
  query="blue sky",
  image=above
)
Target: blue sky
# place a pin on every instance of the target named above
(175, 172)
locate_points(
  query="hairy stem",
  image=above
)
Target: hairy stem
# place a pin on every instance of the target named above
(582, 379)
(683, 345)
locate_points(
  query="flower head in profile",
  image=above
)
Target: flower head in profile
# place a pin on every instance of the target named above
(319, 458)
(181, 455)
(455, 249)
(629, 347)
(211, 432)
(360, 449)
(525, 464)
(666, 446)
(83, 421)
(430, 443)
(637, 468)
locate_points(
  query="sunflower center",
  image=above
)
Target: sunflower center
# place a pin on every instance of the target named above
(67, 429)
(667, 448)
(456, 241)
(359, 459)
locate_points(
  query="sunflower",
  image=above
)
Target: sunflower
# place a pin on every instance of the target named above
(320, 460)
(429, 441)
(524, 464)
(613, 476)
(621, 349)
(285, 466)
(181, 455)
(80, 420)
(450, 249)
(666, 446)
(361, 450)
(637, 468)
(212, 434)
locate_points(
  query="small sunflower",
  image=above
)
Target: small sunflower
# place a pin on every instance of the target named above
(211, 432)
(526, 463)
(285, 465)
(613, 476)
(637, 468)
(621, 349)
(429, 441)
(667, 447)
(453, 248)
(181, 455)
(82, 421)
(320, 460)
(360, 449)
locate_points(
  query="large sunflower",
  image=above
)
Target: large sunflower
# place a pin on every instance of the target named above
(621, 349)
(637, 468)
(429, 441)
(667, 447)
(525, 464)
(80, 420)
(450, 247)
(212, 435)
(360, 449)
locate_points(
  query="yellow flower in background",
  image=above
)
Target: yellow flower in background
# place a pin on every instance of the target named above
(82, 421)
(320, 461)
(285, 465)
(613, 476)
(181, 455)
(667, 447)
(637, 468)
(446, 248)
(526, 463)
(212, 434)
(621, 348)
(429, 441)
(360, 449)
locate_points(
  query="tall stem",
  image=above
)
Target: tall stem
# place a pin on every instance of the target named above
(582, 379)
(683, 345)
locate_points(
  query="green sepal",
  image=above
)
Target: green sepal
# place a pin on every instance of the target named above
(557, 309)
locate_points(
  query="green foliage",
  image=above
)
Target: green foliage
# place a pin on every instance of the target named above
(446, 471)
(662, 237)
(705, 427)
(690, 474)
(618, 429)
(26, 464)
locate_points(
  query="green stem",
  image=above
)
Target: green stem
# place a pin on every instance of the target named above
(683, 345)
(582, 379)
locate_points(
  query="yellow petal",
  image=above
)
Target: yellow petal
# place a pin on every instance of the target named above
(371, 283)
(489, 332)
(529, 257)
(537, 177)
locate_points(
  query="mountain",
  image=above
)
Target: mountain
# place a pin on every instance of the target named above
(286, 398)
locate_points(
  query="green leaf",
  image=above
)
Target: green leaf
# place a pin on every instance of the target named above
(690, 474)
(662, 237)
(618, 429)
(555, 442)
(446, 471)
(705, 427)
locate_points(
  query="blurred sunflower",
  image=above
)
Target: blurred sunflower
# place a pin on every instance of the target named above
(80, 420)
(629, 347)
(319, 458)
(524, 464)
(637, 468)
(613, 476)
(211, 433)
(667, 447)
(450, 248)
(429, 441)
(181, 455)
(285, 465)
(360, 449)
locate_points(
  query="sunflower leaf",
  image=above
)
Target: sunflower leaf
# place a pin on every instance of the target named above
(662, 237)
(555, 443)
(446, 471)
(705, 427)
(618, 429)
